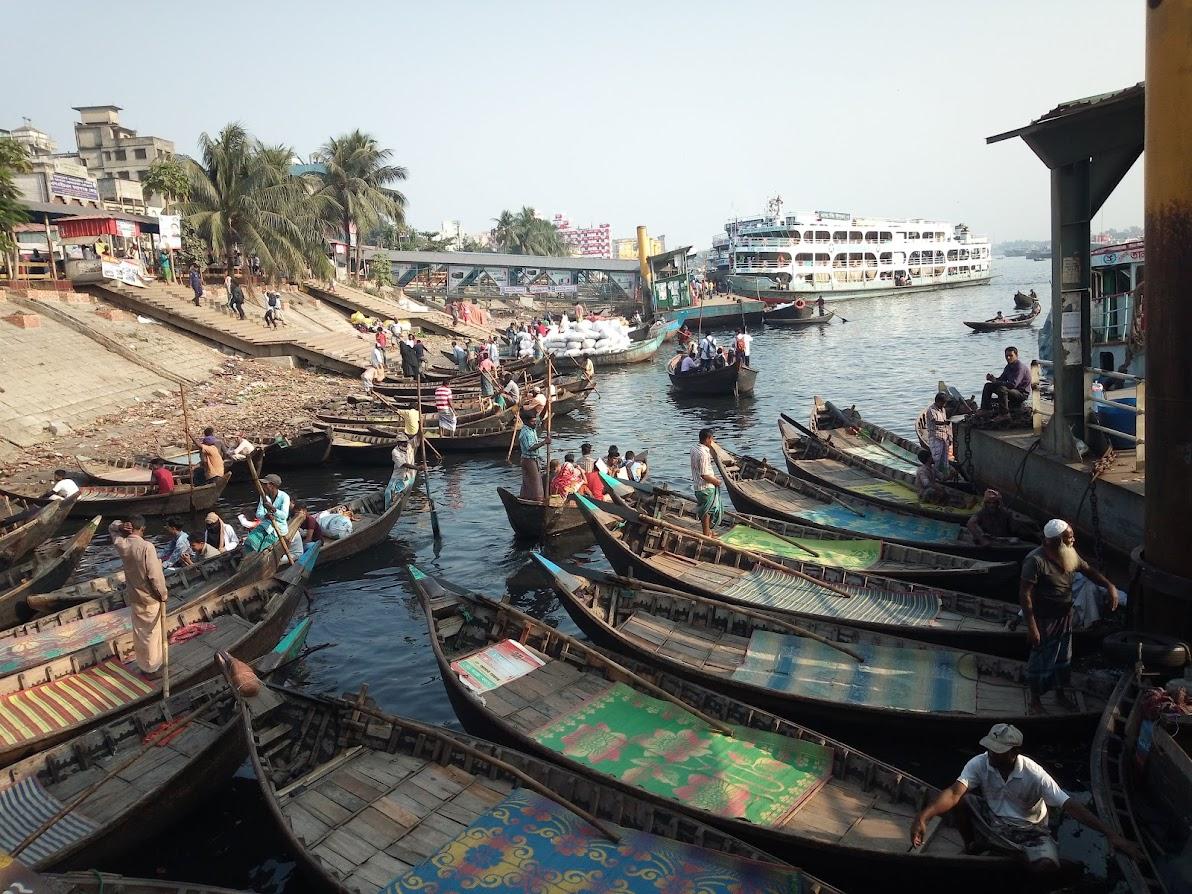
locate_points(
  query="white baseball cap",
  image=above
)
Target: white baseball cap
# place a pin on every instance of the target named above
(1002, 738)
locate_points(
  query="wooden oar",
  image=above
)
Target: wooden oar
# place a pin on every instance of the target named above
(756, 558)
(434, 513)
(392, 404)
(185, 435)
(635, 584)
(281, 535)
(516, 428)
(165, 661)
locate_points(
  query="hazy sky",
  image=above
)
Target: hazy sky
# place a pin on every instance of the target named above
(678, 115)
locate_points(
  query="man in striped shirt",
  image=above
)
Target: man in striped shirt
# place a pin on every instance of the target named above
(445, 409)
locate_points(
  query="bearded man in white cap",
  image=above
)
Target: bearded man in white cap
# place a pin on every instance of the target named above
(1006, 797)
(1045, 594)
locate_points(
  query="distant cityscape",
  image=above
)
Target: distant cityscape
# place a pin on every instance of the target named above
(1019, 248)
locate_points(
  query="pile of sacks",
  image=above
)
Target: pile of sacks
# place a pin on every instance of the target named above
(585, 337)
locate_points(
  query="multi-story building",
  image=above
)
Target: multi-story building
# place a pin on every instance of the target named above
(53, 178)
(626, 249)
(586, 242)
(113, 151)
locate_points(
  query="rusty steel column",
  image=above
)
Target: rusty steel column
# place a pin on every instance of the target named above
(1168, 306)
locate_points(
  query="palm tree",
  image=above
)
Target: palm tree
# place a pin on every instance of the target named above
(14, 159)
(355, 184)
(242, 192)
(525, 233)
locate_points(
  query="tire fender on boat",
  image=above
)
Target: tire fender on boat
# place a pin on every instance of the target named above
(1121, 648)
(800, 304)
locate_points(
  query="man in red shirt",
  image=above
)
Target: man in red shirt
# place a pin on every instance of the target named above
(161, 477)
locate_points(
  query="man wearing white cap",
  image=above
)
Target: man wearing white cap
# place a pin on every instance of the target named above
(1007, 796)
(1045, 594)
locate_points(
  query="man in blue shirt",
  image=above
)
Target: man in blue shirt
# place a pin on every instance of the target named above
(530, 445)
(1013, 386)
(179, 544)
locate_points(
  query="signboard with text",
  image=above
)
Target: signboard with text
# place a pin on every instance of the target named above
(75, 187)
(170, 231)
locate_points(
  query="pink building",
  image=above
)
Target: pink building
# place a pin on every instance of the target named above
(587, 242)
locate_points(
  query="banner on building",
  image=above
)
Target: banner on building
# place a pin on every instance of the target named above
(513, 290)
(129, 272)
(75, 187)
(126, 228)
(170, 231)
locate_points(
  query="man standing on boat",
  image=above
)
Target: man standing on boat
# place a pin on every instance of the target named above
(530, 446)
(1007, 796)
(1045, 594)
(705, 482)
(145, 591)
(1013, 386)
(939, 433)
(707, 351)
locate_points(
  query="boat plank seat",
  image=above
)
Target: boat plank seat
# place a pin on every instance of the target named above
(714, 651)
(375, 816)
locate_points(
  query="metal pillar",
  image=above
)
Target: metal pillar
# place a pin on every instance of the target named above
(1070, 303)
(1168, 201)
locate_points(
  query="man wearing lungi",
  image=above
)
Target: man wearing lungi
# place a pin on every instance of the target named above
(1007, 796)
(1045, 594)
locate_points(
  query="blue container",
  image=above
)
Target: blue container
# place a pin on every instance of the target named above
(1118, 420)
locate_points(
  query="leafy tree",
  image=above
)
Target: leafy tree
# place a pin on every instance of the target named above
(195, 249)
(471, 243)
(14, 159)
(242, 193)
(525, 233)
(381, 270)
(356, 182)
(167, 178)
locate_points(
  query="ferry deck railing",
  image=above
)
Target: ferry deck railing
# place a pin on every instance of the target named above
(1091, 403)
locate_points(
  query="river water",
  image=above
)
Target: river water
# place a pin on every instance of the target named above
(886, 359)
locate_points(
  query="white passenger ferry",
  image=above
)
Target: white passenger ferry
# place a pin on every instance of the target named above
(812, 254)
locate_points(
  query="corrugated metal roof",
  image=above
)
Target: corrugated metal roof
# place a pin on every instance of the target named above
(493, 259)
(1089, 105)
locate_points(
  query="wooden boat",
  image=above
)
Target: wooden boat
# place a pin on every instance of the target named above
(27, 526)
(533, 521)
(834, 549)
(170, 757)
(200, 577)
(949, 695)
(757, 488)
(181, 462)
(1025, 302)
(850, 813)
(637, 352)
(859, 437)
(674, 556)
(48, 570)
(427, 804)
(1018, 321)
(106, 883)
(728, 381)
(372, 525)
(791, 314)
(117, 500)
(309, 447)
(1141, 782)
(362, 446)
(482, 411)
(817, 459)
(83, 688)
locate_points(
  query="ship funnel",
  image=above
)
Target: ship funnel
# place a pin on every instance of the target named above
(643, 254)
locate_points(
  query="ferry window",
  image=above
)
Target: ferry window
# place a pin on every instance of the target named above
(808, 235)
(914, 257)
(939, 257)
(871, 236)
(964, 254)
(803, 259)
(912, 235)
(854, 236)
(940, 237)
(841, 260)
(870, 259)
(854, 259)
(794, 234)
(822, 236)
(886, 257)
(822, 258)
(840, 236)
(952, 254)
(887, 236)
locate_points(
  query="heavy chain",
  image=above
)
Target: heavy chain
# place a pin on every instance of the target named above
(1100, 467)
